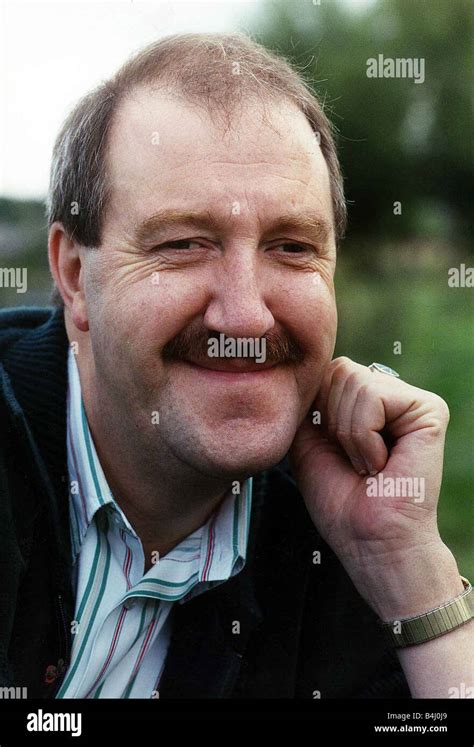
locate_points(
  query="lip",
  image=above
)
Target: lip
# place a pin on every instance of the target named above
(248, 375)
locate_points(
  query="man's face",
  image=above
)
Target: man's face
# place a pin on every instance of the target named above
(157, 290)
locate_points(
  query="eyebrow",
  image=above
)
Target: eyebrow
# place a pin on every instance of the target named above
(162, 220)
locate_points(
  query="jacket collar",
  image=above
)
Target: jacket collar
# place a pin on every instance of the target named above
(36, 366)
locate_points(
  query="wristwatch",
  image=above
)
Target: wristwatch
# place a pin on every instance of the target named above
(410, 631)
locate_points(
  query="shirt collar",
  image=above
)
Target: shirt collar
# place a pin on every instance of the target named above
(226, 529)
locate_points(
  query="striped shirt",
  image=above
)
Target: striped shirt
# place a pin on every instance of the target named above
(123, 616)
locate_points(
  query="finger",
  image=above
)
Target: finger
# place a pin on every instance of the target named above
(337, 386)
(368, 419)
(344, 424)
(321, 399)
(330, 389)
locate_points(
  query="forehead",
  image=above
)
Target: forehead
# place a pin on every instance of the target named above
(166, 152)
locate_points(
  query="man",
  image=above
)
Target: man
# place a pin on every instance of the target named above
(185, 524)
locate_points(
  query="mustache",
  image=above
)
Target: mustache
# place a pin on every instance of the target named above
(192, 343)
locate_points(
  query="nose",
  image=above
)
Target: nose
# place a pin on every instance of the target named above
(237, 307)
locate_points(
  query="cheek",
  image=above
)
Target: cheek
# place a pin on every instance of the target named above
(309, 312)
(156, 310)
(325, 320)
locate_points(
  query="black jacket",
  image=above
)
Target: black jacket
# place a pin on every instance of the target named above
(304, 630)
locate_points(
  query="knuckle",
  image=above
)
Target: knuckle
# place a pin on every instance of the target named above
(341, 360)
(352, 378)
(364, 390)
(341, 363)
(439, 409)
(443, 409)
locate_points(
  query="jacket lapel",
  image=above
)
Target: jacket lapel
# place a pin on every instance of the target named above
(211, 631)
(210, 634)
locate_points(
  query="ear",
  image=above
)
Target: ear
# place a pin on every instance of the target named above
(66, 267)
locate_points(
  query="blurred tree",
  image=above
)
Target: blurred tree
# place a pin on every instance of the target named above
(398, 140)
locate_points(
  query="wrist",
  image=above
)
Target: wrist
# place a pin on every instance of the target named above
(408, 582)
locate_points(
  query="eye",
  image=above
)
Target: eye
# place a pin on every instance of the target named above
(291, 247)
(179, 244)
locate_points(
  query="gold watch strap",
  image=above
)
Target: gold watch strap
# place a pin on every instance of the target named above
(410, 631)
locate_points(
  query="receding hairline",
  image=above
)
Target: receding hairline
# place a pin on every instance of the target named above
(225, 119)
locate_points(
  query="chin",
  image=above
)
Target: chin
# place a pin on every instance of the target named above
(239, 460)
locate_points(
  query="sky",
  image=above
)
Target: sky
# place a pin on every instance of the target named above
(51, 53)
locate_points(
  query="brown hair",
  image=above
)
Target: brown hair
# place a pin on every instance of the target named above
(214, 69)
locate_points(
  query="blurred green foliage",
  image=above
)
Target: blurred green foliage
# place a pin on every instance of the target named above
(398, 141)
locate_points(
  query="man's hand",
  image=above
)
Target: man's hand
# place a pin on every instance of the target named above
(389, 544)
(382, 528)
